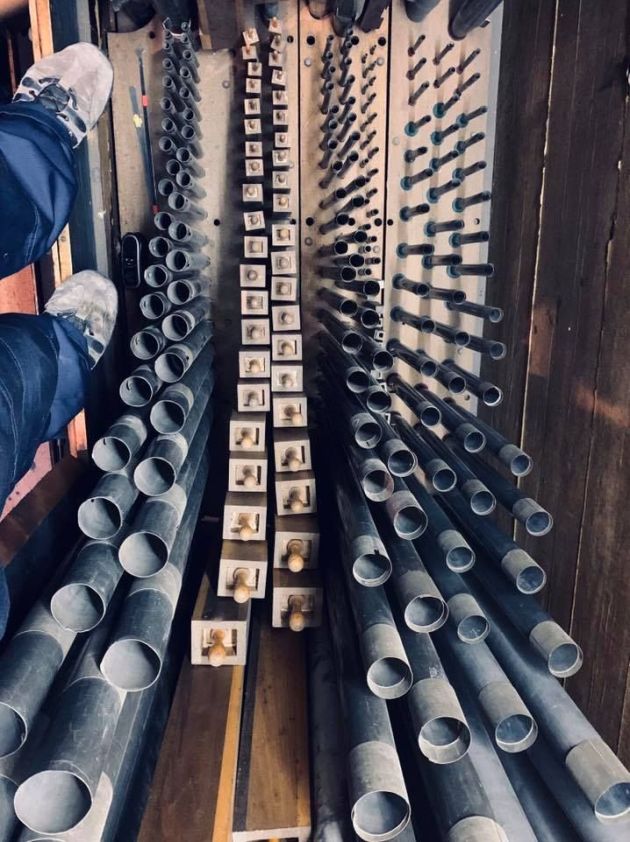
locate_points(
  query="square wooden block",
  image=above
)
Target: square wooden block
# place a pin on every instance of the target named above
(253, 149)
(247, 432)
(254, 302)
(290, 410)
(253, 396)
(251, 106)
(243, 570)
(253, 275)
(254, 362)
(247, 472)
(280, 99)
(286, 347)
(297, 600)
(253, 194)
(249, 52)
(254, 220)
(254, 168)
(296, 493)
(275, 58)
(244, 516)
(254, 68)
(283, 262)
(219, 629)
(255, 247)
(280, 117)
(250, 36)
(292, 450)
(282, 140)
(280, 180)
(282, 234)
(287, 377)
(284, 288)
(253, 125)
(253, 86)
(296, 542)
(255, 332)
(285, 317)
(281, 158)
(282, 204)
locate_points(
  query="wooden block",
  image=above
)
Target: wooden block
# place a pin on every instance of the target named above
(284, 288)
(255, 331)
(286, 347)
(290, 410)
(252, 274)
(297, 600)
(283, 262)
(287, 377)
(254, 302)
(247, 472)
(292, 450)
(296, 493)
(218, 629)
(296, 543)
(244, 516)
(253, 396)
(243, 570)
(194, 782)
(247, 432)
(273, 788)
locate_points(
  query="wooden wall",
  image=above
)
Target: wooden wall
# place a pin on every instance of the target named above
(560, 241)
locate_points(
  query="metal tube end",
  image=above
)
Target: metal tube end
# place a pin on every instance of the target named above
(515, 729)
(481, 500)
(52, 801)
(561, 653)
(131, 664)
(520, 567)
(424, 608)
(477, 829)
(372, 566)
(400, 461)
(388, 675)
(406, 515)
(459, 556)
(77, 606)
(376, 481)
(439, 721)
(516, 460)
(603, 779)
(536, 520)
(467, 616)
(367, 432)
(380, 805)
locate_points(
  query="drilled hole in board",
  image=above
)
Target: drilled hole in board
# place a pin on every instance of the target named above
(390, 221)
(378, 222)
(382, 41)
(310, 40)
(290, 39)
(217, 221)
(294, 222)
(309, 221)
(151, 35)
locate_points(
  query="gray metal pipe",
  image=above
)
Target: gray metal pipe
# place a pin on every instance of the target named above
(349, 338)
(405, 514)
(157, 276)
(147, 343)
(28, 667)
(481, 311)
(181, 204)
(375, 356)
(122, 441)
(169, 413)
(185, 181)
(184, 290)
(470, 438)
(140, 387)
(180, 323)
(181, 232)
(339, 303)
(421, 362)
(356, 378)
(441, 476)
(400, 460)
(375, 480)
(101, 515)
(427, 414)
(599, 774)
(526, 574)
(179, 260)
(171, 365)
(487, 392)
(364, 426)
(154, 305)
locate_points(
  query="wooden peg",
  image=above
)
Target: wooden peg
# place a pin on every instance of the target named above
(293, 460)
(217, 652)
(293, 412)
(295, 559)
(250, 480)
(245, 531)
(242, 590)
(296, 504)
(296, 615)
(286, 348)
(246, 440)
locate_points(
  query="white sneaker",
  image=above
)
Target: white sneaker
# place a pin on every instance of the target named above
(75, 84)
(90, 302)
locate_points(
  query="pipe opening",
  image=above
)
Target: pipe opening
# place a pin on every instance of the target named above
(370, 319)
(177, 260)
(377, 485)
(152, 306)
(162, 220)
(170, 367)
(131, 665)
(430, 416)
(348, 307)
(176, 327)
(473, 629)
(136, 391)
(444, 739)
(515, 733)
(143, 554)
(428, 368)
(145, 345)
(614, 803)
(382, 361)
(426, 613)
(565, 660)
(156, 276)
(371, 569)
(389, 678)
(368, 434)
(99, 518)
(458, 296)
(179, 292)
(12, 730)
(111, 454)
(521, 465)
(52, 801)
(474, 441)
(178, 201)
(461, 338)
(492, 396)
(379, 401)
(409, 522)
(357, 380)
(460, 559)
(531, 579)
(161, 246)
(371, 288)
(539, 523)
(154, 476)
(180, 231)
(482, 502)
(497, 350)
(427, 326)
(167, 417)
(402, 462)
(457, 385)
(351, 342)
(444, 480)
(77, 607)
(380, 815)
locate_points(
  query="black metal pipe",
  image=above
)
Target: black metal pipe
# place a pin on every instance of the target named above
(428, 414)
(469, 436)
(490, 394)
(419, 360)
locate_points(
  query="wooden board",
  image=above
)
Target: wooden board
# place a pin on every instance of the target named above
(273, 787)
(193, 788)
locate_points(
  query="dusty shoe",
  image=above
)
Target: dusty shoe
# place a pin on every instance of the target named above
(90, 302)
(75, 84)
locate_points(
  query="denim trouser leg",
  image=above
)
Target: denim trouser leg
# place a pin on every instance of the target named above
(44, 375)
(37, 183)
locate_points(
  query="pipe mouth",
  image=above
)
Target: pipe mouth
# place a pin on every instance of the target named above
(340, 247)
(153, 306)
(370, 319)
(13, 730)
(77, 607)
(402, 462)
(428, 368)
(531, 579)
(159, 246)
(99, 518)
(516, 733)
(111, 454)
(179, 292)
(162, 220)
(167, 417)
(521, 465)
(565, 660)
(177, 201)
(156, 276)
(144, 345)
(357, 380)
(184, 156)
(539, 523)
(473, 629)
(180, 232)
(52, 801)
(173, 167)
(458, 296)
(461, 338)
(177, 260)
(348, 307)
(143, 554)
(491, 395)
(170, 367)
(482, 502)
(380, 815)
(176, 327)
(356, 261)
(154, 476)
(497, 350)
(131, 665)
(136, 391)
(430, 416)
(614, 803)
(457, 385)
(382, 360)
(372, 569)
(444, 479)
(426, 613)
(427, 326)
(409, 522)
(368, 435)
(371, 288)
(379, 401)
(389, 678)
(377, 484)
(460, 559)
(347, 273)
(444, 739)
(474, 441)
(351, 342)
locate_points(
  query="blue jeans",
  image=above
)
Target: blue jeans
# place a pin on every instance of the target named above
(37, 183)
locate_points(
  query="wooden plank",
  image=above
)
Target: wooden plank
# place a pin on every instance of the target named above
(579, 197)
(273, 789)
(193, 788)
